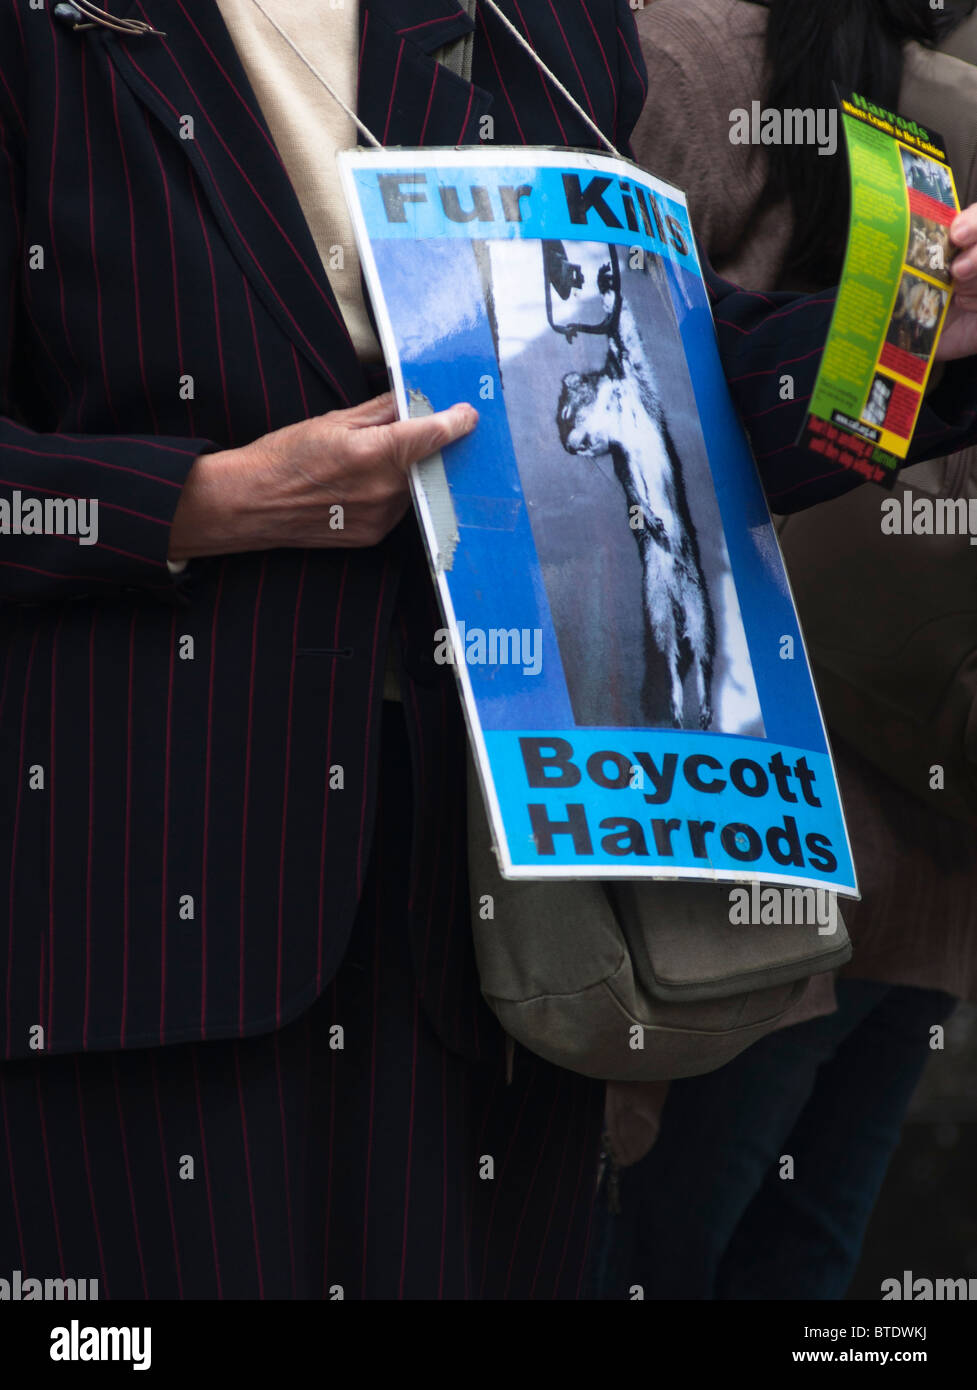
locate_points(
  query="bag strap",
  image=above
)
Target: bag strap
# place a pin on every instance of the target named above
(457, 55)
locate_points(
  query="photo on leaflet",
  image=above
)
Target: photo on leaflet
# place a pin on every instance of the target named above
(916, 316)
(620, 495)
(927, 176)
(878, 401)
(929, 248)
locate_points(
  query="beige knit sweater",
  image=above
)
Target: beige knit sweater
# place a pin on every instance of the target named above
(705, 59)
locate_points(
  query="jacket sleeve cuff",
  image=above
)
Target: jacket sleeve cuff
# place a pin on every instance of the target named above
(89, 513)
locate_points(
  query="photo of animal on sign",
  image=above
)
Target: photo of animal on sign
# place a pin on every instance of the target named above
(627, 528)
(615, 607)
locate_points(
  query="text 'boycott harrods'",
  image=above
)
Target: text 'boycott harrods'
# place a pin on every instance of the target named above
(549, 765)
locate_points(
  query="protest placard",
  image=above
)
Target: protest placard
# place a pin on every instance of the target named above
(631, 666)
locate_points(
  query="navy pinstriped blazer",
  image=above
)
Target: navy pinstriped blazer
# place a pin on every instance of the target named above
(185, 871)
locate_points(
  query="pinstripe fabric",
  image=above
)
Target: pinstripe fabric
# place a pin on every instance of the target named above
(144, 899)
(283, 1165)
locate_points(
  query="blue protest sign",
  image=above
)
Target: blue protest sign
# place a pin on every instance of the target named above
(615, 605)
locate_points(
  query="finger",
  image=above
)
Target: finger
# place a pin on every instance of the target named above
(963, 228)
(409, 441)
(963, 267)
(964, 304)
(380, 410)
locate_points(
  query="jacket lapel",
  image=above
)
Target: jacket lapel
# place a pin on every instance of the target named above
(195, 71)
(405, 97)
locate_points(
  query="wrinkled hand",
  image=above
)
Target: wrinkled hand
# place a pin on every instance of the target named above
(959, 337)
(292, 486)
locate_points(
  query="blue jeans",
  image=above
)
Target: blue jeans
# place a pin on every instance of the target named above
(707, 1213)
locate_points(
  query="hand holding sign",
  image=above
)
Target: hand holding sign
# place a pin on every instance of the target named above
(338, 480)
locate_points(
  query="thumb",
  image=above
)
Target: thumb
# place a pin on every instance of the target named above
(413, 440)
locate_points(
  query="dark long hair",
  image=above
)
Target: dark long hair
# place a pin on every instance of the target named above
(857, 44)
